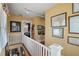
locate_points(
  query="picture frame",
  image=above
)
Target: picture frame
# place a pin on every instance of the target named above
(73, 40)
(41, 29)
(59, 20)
(73, 24)
(58, 32)
(75, 7)
(41, 32)
(15, 26)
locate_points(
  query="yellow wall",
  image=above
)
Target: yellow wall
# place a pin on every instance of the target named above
(38, 21)
(57, 9)
(35, 20)
(16, 18)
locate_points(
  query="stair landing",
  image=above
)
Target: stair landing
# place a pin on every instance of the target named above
(11, 48)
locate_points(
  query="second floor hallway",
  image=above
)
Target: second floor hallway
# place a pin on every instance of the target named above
(43, 31)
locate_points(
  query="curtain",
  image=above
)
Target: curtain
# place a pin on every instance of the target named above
(3, 29)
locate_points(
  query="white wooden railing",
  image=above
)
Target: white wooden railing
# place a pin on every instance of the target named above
(35, 48)
(13, 39)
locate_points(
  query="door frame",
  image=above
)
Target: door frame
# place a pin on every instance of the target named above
(27, 21)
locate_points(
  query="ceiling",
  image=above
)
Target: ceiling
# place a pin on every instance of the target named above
(29, 9)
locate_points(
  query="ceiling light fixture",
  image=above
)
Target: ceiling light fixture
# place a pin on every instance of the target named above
(30, 11)
(27, 12)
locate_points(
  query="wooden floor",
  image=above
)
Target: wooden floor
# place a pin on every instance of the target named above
(16, 46)
(27, 54)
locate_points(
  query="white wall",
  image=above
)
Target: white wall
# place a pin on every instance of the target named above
(2, 52)
(3, 36)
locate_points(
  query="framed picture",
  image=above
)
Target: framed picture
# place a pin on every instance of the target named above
(73, 40)
(58, 32)
(15, 26)
(75, 7)
(41, 32)
(59, 20)
(74, 24)
(41, 29)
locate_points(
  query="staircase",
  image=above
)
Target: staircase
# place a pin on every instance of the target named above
(33, 47)
(19, 46)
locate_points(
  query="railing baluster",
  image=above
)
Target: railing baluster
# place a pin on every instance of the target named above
(35, 48)
(13, 39)
(42, 51)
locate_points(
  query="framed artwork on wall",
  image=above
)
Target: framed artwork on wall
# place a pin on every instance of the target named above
(41, 29)
(73, 40)
(59, 20)
(41, 32)
(58, 32)
(75, 7)
(15, 26)
(73, 24)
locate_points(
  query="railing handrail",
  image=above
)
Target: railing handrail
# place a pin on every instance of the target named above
(34, 47)
(37, 42)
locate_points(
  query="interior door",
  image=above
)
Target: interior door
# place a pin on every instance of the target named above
(27, 28)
